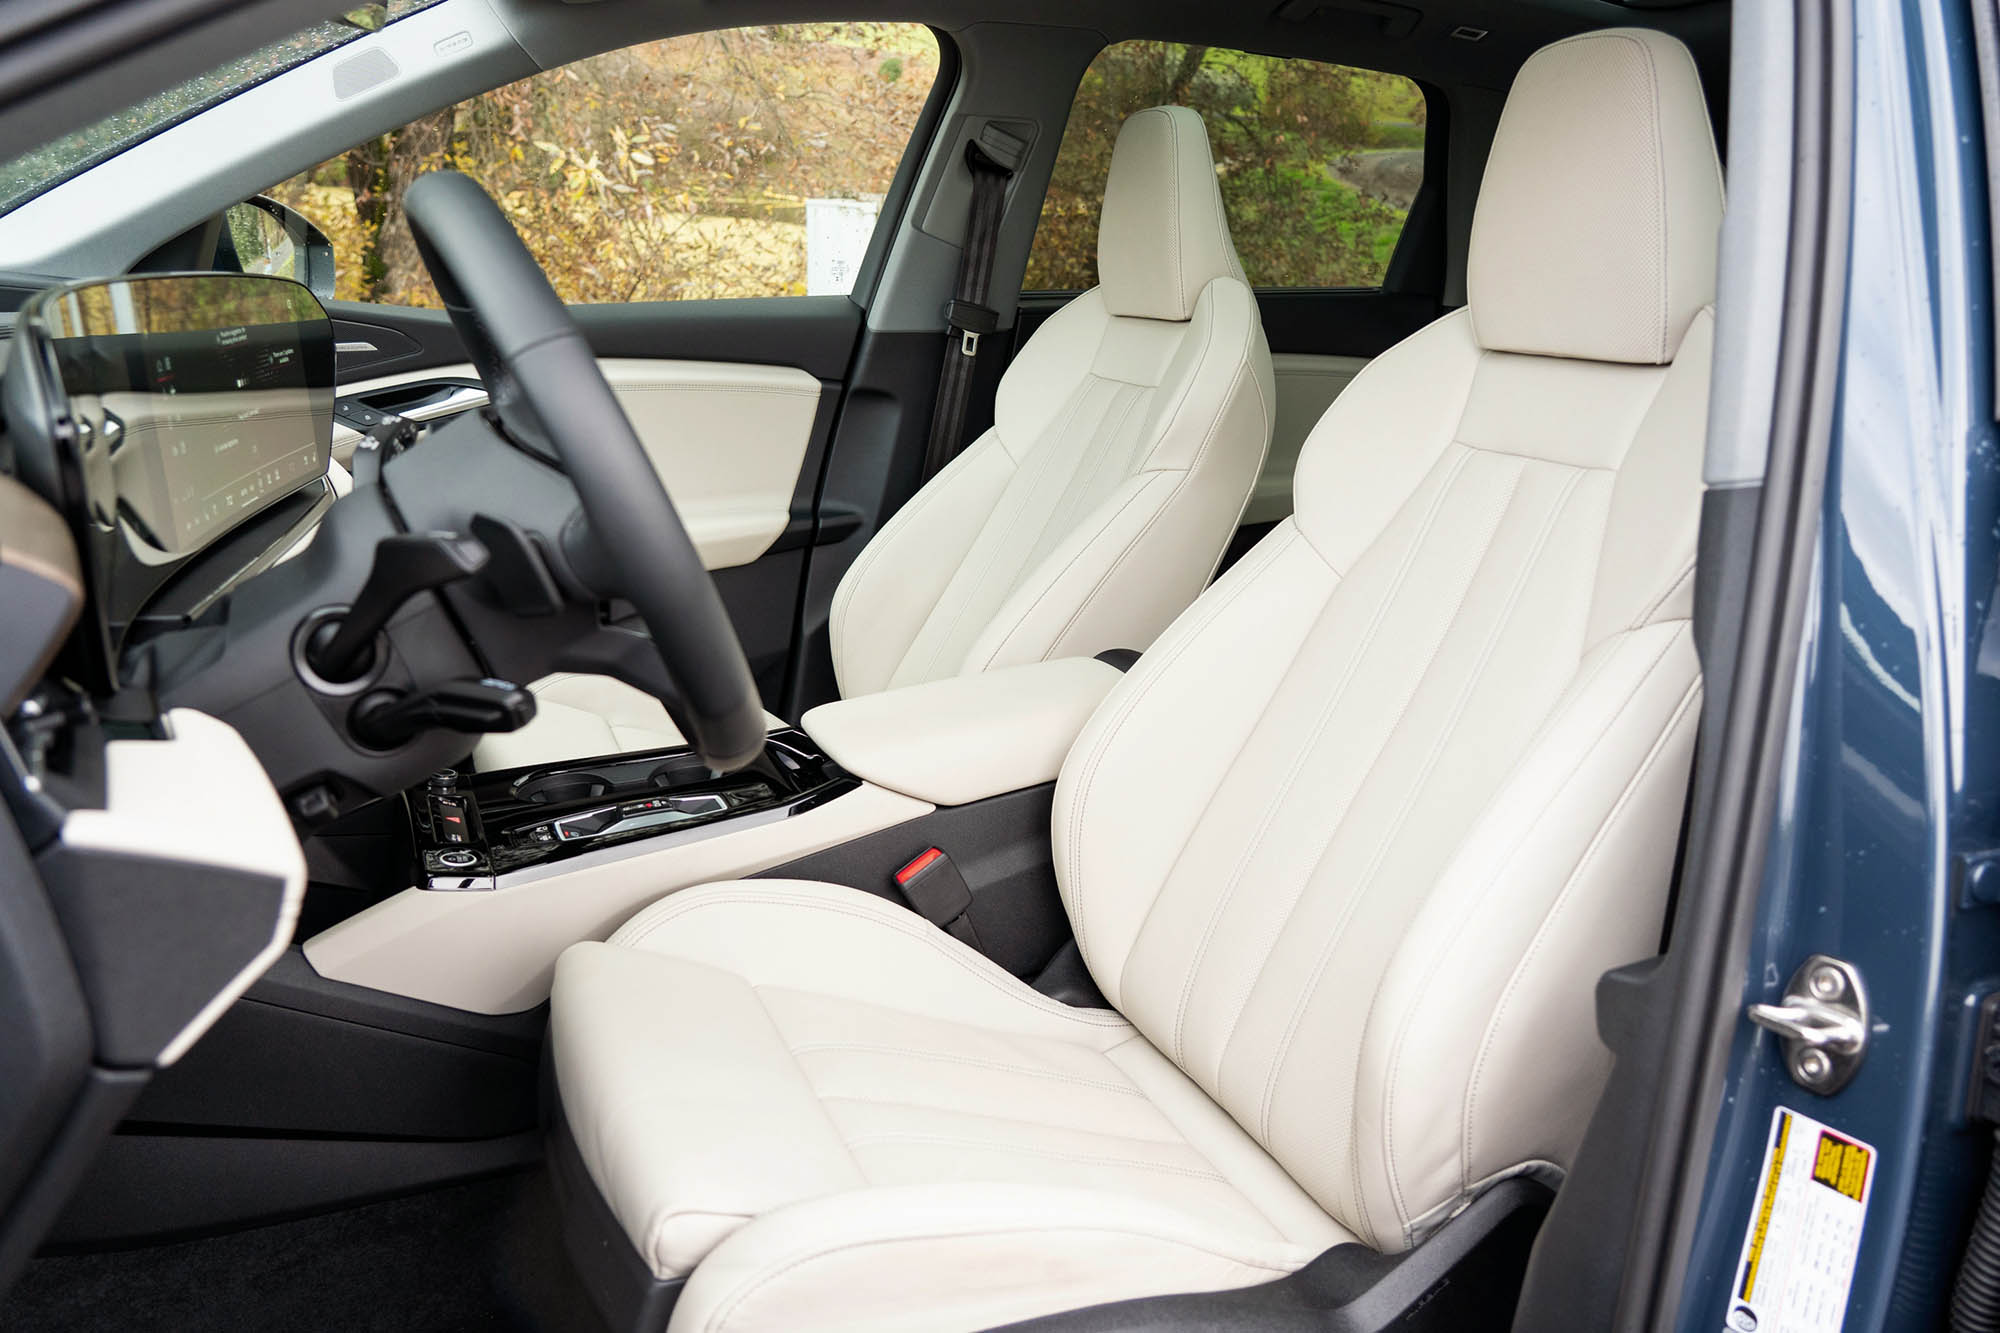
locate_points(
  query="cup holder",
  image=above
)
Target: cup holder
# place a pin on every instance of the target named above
(555, 788)
(679, 770)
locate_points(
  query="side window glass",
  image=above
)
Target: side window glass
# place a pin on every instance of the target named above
(1318, 163)
(749, 162)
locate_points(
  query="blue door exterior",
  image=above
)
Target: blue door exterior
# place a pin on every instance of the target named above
(1893, 764)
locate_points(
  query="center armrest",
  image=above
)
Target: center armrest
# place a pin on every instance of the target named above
(966, 737)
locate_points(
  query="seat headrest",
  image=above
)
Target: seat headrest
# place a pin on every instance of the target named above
(1162, 238)
(1595, 232)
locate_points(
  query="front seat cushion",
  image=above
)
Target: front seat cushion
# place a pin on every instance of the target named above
(830, 1093)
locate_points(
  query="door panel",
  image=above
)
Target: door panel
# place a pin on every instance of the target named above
(735, 400)
(727, 439)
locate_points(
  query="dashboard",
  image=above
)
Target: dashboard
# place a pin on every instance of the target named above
(164, 413)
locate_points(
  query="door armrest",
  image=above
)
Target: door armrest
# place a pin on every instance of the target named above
(967, 737)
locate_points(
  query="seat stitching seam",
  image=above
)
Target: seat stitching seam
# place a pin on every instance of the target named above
(1645, 616)
(1665, 312)
(1186, 474)
(778, 1030)
(1046, 454)
(1536, 458)
(1302, 756)
(1520, 840)
(1479, 357)
(1096, 454)
(1562, 899)
(1027, 1150)
(1280, 1055)
(1474, 678)
(1055, 1008)
(1181, 483)
(1179, 1141)
(1173, 415)
(975, 1062)
(1028, 575)
(1143, 678)
(873, 552)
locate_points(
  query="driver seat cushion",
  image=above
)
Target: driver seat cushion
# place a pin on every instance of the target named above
(798, 1087)
(1127, 435)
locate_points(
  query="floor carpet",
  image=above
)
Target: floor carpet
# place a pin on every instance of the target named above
(480, 1256)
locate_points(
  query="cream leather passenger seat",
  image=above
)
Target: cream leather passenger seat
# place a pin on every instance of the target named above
(1347, 850)
(1127, 435)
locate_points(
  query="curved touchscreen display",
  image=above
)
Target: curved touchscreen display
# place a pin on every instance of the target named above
(198, 400)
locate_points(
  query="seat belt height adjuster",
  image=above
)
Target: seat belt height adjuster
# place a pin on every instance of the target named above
(971, 321)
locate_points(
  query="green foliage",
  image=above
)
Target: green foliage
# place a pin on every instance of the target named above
(1288, 137)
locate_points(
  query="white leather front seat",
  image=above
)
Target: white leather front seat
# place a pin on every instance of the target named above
(1127, 435)
(1347, 850)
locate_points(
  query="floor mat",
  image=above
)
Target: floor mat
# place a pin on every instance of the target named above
(480, 1256)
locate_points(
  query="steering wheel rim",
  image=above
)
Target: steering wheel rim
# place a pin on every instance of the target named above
(546, 385)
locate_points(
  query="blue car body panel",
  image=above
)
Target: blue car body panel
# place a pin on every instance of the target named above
(1893, 766)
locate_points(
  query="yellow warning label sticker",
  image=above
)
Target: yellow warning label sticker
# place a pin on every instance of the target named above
(1804, 1230)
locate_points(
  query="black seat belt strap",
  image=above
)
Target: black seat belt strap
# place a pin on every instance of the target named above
(968, 317)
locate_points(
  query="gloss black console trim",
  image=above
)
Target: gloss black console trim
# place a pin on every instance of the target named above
(514, 826)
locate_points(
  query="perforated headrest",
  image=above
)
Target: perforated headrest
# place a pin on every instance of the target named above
(1595, 232)
(1163, 237)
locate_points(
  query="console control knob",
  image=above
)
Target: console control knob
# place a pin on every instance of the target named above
(458, 859)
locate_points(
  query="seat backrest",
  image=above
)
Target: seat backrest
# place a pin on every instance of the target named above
(1352, 843)
(1127, 435)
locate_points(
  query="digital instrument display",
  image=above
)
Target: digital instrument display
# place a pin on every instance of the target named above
(198, 401)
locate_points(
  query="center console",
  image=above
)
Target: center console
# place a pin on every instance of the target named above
(511, 867)
(482, 831)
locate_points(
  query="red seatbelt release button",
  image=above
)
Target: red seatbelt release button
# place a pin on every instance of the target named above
(934, 886)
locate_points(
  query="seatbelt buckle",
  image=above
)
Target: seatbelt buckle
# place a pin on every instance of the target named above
(970, 321)
(932, 885)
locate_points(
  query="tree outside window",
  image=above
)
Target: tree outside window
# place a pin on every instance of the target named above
(1317, 163)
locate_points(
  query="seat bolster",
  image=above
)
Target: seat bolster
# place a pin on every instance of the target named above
(654, 1058)
(829, 940)
(891, 588)
(1563, 878)
(959, 1256)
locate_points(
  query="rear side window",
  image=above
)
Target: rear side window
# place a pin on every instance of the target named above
(746, 162)
(1318, 163)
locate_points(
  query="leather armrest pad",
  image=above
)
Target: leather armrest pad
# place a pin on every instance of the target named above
(966, 737)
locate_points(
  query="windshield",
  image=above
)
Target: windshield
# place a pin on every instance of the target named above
(55, 162)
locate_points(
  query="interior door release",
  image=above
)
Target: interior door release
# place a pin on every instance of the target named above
(1823, 1021)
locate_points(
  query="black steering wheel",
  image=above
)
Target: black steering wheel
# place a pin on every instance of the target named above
(546, 387)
